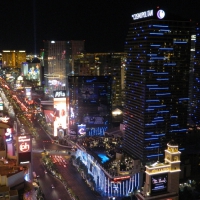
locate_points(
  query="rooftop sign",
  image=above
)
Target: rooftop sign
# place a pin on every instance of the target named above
(161, 14)
(148, 13)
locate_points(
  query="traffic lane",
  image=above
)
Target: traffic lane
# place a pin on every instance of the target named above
(46, 180)
(44, 141)
(76, 182)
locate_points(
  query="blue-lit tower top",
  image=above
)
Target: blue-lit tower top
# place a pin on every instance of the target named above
(157, 83)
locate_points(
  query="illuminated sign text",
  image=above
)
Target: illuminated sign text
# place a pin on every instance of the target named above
(148, 13)
(58, 94)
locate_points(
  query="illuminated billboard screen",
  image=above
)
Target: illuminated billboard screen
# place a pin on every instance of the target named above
(81, 130)
(90, 103)
(32, 72)
(24, 149)
(60, 113)
(28, 92)
(159, 183)
(8, 135)
(24, 144)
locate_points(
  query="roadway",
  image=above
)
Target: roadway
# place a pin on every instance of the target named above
(69, 173)
(46, 180)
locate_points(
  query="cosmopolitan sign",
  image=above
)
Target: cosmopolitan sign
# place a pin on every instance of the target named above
(148, 13)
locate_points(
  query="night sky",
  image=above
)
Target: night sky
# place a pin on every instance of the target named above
(103, 24)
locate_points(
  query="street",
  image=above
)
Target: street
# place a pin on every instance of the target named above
(69, 173)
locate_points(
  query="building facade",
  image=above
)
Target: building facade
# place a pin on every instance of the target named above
(59, 62)
(13, 58)
(89, 104)
(104, 64)
(157, 83)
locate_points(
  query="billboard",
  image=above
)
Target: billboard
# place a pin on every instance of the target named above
(32, 72)
(60, 113)
(81, 130)
(28, 93)
(24, 144)
(159, 183)
(8, 135)
(24, 149)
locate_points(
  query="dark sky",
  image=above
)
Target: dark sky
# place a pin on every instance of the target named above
(103, 24)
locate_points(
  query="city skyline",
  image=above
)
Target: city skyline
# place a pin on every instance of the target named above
(102, 24)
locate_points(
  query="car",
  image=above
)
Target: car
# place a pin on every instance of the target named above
(52, 186)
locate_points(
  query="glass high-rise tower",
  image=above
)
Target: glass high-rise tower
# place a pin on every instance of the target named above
(59, 62)
(157, 83)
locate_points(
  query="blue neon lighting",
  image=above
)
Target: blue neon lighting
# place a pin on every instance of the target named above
(162, 79)
(155, 45)
(151, 124)
(159, 120)
(160, 26)
(184, 98)
(164, 30)
(149, 109)
(179, 42)
(150, 61)
(156, 33)
(164, 111)
(159, 106)
(180, 130)
(150, 70)
(154, 155)
(174, 116)
(158, 117)
(182, 149)
(158, 135)
(151, 85)
(174, 125)
(149, 133)
(155, 144)
(152, 54)
(163, 94)
(151, 139)
(169, 64)
(152, 147)
(170, 49)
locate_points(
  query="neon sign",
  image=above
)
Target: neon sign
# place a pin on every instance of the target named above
(4, 119)
(59, 94)
(121, 178)
(8, 135)
(24, 147)
(148, 13)
(24, 143)
(161, 14)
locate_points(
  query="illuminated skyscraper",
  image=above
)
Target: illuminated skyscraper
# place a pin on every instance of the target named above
(90, 104)
(12, 58)
(104, 64)
(159, 51)
(58, 62)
